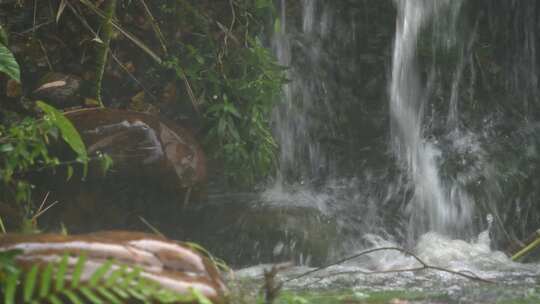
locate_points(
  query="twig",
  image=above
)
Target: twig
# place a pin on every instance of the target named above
(42, 209)
(150, 226)
(89, 28)
(35, 16)
(424, 266)
(190, 92)
(187, 196)
(2, 227)
(46, 55)
(139, 83)
(155, 26)
(124, 32)
(33, 28)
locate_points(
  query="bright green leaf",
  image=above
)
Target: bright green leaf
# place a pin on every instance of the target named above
(45, 283)
(90, 295)
(99, 273)
(69, 133)
(8, 64)
(61, 273)
(30, 283)
(79, 267)
(11, 288)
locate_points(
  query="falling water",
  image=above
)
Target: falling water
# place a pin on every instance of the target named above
(300, 155)
(431, 206)
(458, 145)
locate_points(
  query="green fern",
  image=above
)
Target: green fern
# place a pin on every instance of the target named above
(57, 283)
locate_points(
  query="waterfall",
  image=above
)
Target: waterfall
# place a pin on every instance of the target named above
(432, 206)
(455, 80)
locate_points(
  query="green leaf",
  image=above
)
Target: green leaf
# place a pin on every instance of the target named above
(69, 172)
(99, 273)
(201, 299)
(79, 267)
(8, 64)
(90, 295)
(53, 299)
(74, 298)
(30, 283)
(11, 288)
(69, 133)
(120, 292)
(132, 275)
(3, 36)
(45, 283)
(61, 273)
(108, 295)
(6, 148)
(113, 277)
(106, 163)
(135, 293)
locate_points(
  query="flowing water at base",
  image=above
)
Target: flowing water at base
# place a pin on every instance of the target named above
(511, 281)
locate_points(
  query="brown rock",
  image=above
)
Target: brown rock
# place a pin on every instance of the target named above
(142, 144)
(173, 265)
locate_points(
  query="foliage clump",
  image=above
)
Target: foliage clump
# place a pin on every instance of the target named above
(234, 82)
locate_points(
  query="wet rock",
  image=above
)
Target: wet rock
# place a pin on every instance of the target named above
(245, 233)
(173, 265)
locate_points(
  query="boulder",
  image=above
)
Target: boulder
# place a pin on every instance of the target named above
(171, 264)
(158, 168)
(142, 143)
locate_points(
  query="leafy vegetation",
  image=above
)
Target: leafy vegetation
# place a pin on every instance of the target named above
(24, 144)
(8, 64)
(235, 81)
(212, 54)
(56, 282)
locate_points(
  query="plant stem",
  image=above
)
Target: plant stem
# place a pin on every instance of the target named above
(527, 248)
(102, 49)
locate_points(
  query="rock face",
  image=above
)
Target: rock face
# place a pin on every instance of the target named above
(171, 264)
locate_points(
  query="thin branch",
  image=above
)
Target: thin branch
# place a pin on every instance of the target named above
(124, 32)
(155, 26)
(137, 81)
(424, 266)
(91, 30)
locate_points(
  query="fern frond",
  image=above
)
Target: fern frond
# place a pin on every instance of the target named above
(58, 283)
